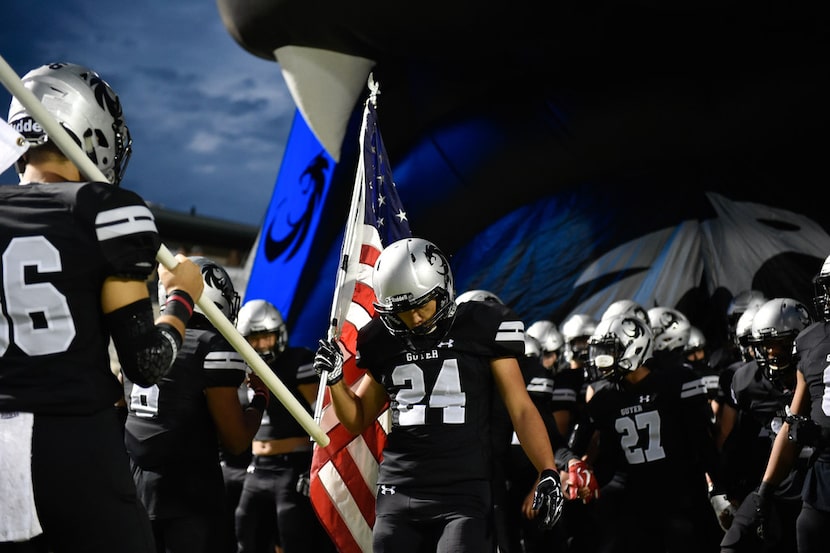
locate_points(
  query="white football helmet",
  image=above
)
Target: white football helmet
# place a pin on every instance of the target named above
(576, 330)
(746, 299)
(532, 347)
(550, 341)
(84, 105)
(696, 341)
(625, 307)
(670, 328)
(618, 346)
(774, 328)
(408, 274)
(477, 295)
(218, 288)
(743, 331)
(260, 316)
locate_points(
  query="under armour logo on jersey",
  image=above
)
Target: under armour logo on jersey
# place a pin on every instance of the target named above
(447, 344)
(387, 490)
(646, 398)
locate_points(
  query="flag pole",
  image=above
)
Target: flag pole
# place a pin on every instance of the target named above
(72, 151)
(349, 255)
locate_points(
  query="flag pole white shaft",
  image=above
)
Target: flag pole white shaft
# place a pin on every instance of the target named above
(59, 136)
(349, 258)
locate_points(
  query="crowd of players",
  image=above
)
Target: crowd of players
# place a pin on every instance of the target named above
(660, 445)
(681, 438)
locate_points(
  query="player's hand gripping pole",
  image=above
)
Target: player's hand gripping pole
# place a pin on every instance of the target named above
(72, 151)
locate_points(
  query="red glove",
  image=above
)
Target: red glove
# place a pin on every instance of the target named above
(581, 478)
(260, 391)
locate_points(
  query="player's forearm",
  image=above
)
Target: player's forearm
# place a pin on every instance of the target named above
(237, 442)
(534, 439)
(348, 407)
(781, 458)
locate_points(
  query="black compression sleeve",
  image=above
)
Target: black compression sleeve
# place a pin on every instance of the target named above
(145, 350)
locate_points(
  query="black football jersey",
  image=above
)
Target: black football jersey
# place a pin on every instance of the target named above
(813, 349)
(710, 377)
(440, 393)
(294, 366)
(169, 423)
(761, 409)
(59, 242)
(660, 426)
(755, 395)
(568, 390)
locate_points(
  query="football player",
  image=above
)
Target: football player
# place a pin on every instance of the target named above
(436, 363)
(808, 425)
(656, 421)
(277, 482)
(75, 258)
(174, 428)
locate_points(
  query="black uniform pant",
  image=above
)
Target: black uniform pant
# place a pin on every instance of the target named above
(84, 491)
(452, 520)
(272, 510)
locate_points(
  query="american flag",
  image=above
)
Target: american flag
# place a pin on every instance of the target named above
(344, 473)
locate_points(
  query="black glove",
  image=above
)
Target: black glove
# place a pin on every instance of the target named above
(755, 525)
(548, 498)
(329, 360)
(302, 483)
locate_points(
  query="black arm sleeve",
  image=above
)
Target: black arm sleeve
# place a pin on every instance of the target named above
(146, 351)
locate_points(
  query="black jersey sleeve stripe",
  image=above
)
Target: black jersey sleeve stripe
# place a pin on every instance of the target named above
(123, 221)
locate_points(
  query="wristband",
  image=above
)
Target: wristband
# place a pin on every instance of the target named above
(259, 402)
(179, 304)
(765, 490)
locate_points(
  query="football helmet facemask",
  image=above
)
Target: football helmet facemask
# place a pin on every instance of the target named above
(84, 105)
(407, 275)
(618, 346)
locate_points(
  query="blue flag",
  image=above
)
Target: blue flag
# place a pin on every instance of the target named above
(292, 219)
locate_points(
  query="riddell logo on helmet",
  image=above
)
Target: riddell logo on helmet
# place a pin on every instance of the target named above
(27, 125)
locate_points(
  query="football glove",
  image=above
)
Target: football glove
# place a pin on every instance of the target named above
(329, 361)
(755, 526)
(582, 477)
(548, 499)
(260, 390)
